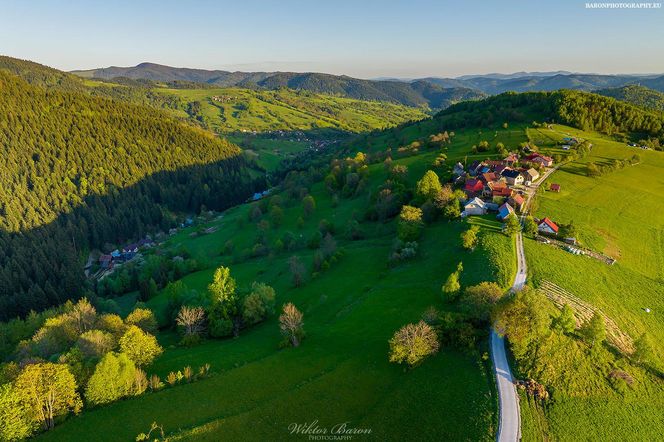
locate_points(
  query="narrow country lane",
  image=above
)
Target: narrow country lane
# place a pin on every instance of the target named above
(509, 428)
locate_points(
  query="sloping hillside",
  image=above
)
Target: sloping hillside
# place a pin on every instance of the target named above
(81, 171)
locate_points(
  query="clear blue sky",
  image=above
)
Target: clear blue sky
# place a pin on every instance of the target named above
(362, 38)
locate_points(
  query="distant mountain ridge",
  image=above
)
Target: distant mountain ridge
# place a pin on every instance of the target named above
(434, 92)
(416, 93)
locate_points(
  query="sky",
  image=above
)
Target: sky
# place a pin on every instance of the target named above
(360, 38)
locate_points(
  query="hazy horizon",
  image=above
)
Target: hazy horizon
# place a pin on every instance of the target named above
(398, 39)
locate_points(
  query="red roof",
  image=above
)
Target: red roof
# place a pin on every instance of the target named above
(518, 199)
(488, 177)
(105, 258)
(549, 223)
(474, 185)
(502, 191)
(555, 187)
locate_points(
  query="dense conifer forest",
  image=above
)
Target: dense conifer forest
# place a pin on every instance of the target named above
(81, 171)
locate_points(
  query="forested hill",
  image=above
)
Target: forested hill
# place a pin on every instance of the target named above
(79, 172)
(637, 95)
(40, 75)
(419, 93)
(586, 111)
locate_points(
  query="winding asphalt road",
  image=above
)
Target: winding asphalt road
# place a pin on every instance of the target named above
(509, 428)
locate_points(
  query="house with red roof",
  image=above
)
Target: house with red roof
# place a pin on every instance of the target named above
(473, 187)
(517, 201)
(547, 226)
(555, 187)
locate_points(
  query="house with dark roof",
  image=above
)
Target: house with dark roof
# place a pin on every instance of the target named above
(512, 176)
(458, 169)
(105, 261)
(547, 226)
(504, 211)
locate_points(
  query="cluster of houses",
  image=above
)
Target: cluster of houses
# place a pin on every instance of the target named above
(498, 185)
(126, 253)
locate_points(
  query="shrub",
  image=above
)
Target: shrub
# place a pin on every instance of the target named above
(410, 223)
(144, 319)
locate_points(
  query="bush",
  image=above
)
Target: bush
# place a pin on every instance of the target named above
(144, 319)
(139, 346)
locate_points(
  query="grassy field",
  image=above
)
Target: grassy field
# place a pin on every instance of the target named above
(245, 110)
(615, 214)
(341, 372)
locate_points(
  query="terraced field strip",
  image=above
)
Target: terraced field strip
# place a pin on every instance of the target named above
(584, 311)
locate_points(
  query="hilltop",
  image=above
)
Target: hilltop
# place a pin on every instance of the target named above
(637, 95)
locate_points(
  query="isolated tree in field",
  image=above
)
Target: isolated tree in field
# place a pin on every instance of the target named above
(643, 350)
(412, 343)
(258, 304)
(469, 237)
(191, 320)
(480, 299)
(223, 306)
(222, 288)
(144, 319)
(96, 343)
(565, 322)
(113, 379)
(429, 186)
(15, 423)
(594, 331)
(297, 270)
(48, 391)
(452, 285)
(530, 226)
(291, 325)
(512, 225)
(141, 347)
(410, 223)
(308, 206)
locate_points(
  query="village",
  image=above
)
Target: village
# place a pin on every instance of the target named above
(503, 186)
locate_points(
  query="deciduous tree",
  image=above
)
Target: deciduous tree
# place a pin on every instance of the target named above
(412, 343)
(141, 347)
(48, 391)
(291, 325)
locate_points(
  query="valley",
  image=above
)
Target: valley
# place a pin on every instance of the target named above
(246, 315)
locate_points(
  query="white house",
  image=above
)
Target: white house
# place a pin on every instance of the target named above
(513, 177)
(547, 226)
(475, 207)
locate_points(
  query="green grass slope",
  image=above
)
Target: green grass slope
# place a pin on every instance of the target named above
(341, 371)
(618, 214)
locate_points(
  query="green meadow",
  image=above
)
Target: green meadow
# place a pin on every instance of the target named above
(341, 372)
(244, 110)
(615, 214)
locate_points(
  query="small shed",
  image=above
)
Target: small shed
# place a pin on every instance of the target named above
(555, 187)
